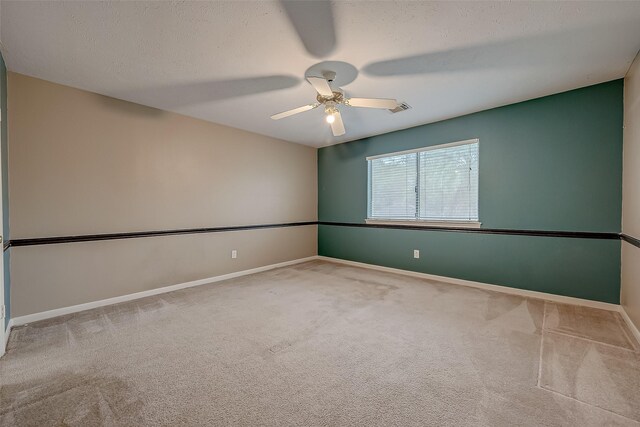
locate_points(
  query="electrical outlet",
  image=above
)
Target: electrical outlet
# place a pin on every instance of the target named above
(234, 254)
(416, 253)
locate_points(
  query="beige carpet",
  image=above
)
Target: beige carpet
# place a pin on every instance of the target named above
(324, 344)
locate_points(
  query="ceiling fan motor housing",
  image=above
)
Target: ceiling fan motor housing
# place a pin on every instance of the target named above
(329, 75)
(338, 98)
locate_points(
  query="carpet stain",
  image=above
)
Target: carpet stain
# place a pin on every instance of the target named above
(279, 347)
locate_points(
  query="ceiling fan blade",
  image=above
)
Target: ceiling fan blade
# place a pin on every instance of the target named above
(337, 127)
(321, 85)
(476, 57)
(294, 111)
(187, 94)
(388, 104)
(314, 23)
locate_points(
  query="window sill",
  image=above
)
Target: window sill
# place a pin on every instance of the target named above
(424, 223)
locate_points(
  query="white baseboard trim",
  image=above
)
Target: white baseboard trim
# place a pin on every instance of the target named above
(632, 327)
(7, 331)
(497, 288)
(23, 320)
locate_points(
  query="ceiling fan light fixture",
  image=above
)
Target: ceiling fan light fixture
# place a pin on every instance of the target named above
(330, 111)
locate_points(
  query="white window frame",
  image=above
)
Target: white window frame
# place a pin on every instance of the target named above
(420, 222)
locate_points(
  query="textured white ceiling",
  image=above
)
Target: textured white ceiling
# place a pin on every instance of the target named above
(238, 62)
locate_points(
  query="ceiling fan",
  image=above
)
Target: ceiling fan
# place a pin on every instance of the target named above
(331, 98)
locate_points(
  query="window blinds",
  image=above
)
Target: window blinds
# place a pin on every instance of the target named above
(437, 183)
(393, 183)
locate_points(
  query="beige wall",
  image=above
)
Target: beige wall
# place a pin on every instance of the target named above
(630, 292)
(81, 163)
(84, 163)
(53, 276)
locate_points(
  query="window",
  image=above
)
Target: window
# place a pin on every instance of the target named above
(434, 184)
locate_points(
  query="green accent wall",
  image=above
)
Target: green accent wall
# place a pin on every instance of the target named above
(552, 163)
(4, 154)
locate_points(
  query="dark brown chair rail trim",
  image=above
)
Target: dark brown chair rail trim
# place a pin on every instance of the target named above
(132, 235)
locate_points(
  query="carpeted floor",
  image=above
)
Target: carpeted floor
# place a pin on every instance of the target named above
(324, 344)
